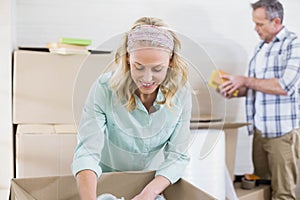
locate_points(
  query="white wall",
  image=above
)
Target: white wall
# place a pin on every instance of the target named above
(224, 28)
(6, 157)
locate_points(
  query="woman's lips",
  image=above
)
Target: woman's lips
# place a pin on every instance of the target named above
(147, 85)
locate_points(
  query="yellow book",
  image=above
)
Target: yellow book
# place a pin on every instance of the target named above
(215, 80)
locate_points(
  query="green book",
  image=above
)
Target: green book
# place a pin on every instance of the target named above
(75, 41)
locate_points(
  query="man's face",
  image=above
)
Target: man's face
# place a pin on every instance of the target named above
(265, 28)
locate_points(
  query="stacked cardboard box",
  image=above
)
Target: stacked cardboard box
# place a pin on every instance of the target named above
(260, 192)
(44, 83)
(231, 133)
(44, 149)
(43, 107)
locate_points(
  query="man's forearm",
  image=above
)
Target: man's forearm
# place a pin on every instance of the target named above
(268, 86)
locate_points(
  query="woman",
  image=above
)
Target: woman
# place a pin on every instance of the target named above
(136, 111)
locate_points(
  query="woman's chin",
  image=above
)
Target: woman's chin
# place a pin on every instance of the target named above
(147, 90)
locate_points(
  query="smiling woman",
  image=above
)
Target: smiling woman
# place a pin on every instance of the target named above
(147, 73)
(134, 112)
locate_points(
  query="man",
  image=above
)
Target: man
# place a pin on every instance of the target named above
(272, 93)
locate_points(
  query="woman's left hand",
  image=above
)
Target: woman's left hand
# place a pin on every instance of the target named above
(155, 187)
(145, 196)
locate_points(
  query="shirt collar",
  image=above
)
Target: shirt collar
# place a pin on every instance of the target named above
(278, 37)
(281, 35)
(159, 97)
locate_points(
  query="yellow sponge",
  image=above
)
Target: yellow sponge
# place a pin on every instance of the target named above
(215, 80)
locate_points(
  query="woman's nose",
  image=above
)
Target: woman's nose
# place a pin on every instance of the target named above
(147, 76)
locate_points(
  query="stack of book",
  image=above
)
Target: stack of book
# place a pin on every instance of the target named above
(67, 46)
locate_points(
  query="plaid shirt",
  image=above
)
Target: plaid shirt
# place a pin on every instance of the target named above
(277, 114)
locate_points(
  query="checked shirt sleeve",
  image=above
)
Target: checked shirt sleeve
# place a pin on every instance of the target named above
(291, 76)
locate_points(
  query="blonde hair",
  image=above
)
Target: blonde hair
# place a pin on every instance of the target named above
(122, 83)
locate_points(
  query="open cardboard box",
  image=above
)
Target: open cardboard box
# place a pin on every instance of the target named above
(120, 184)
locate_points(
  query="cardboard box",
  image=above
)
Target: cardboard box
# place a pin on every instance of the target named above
(44, 150)
(207, 149)
(6, 160)
(43, 84)
(262, 192)
(120, 184)
(231, 132)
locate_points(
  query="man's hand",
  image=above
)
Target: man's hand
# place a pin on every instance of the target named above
(242, 83)
(232, 84)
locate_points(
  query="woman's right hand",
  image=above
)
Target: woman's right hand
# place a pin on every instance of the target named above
(87, 184)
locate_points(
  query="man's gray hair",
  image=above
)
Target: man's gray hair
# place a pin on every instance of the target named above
(273, 8)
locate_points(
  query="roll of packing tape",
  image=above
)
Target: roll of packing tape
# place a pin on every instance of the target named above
(247, 184)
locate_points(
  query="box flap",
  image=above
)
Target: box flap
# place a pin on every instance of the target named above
(206, 118)
(217, 125)
(45, 188)
(124, 184)
(18, 192)
(46, 129)
(120, 184)
(184, 190)
(65, 128)
(35, 128)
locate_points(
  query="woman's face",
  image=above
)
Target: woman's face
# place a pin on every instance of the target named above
(148, 68)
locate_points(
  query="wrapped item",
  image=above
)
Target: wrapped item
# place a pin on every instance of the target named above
(107, 196)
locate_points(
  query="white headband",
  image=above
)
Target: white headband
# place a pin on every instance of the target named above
(158, 37)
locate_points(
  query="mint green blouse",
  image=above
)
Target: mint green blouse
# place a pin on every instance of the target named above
(110, 138)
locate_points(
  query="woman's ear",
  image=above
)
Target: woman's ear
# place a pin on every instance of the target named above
(128, 59)
(171, 61)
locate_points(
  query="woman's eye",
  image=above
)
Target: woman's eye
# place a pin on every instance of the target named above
(157, 69)
(139, 67)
